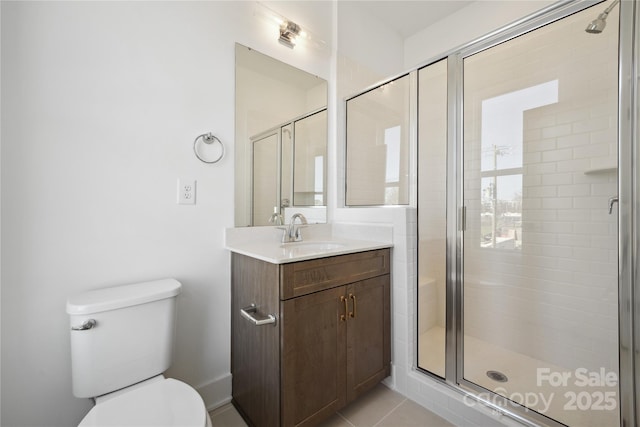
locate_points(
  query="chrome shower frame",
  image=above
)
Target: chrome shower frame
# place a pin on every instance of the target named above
(628, 211)
(455, 205)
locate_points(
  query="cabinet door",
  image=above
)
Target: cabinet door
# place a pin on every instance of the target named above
(368, 335)
(313, 357)
(255, 350)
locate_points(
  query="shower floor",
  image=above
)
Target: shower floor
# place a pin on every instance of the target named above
(574, 404)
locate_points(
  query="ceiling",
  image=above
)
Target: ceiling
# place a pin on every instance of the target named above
(407, 17)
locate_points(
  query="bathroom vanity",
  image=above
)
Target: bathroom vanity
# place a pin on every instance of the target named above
(310, 330)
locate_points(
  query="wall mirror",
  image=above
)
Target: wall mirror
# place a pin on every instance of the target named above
(280, 141)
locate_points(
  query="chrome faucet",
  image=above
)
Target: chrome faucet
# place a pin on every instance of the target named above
(275, 218)
(293, 232)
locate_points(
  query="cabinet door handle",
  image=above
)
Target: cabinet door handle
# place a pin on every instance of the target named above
(353, 313)
(343, 317)
(248, 313)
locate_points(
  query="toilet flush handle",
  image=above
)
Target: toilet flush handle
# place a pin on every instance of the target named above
(87, 324)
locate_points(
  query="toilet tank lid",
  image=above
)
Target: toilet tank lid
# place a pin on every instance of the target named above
(122, 296)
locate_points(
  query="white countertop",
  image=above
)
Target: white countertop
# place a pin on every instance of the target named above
(265, 247)
(281, 253)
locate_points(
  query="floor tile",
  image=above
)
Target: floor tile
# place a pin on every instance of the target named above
(336, 420)
(227, 416)
(372, 407)
(380, 407)
(410, 414)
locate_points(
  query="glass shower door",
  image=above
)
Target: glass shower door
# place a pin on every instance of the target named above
(432, 217)
(540, 248)
(266, 178)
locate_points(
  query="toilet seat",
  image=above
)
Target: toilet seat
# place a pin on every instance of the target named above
(167, 402)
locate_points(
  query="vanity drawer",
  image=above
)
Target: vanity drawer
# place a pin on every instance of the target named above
(305, 277)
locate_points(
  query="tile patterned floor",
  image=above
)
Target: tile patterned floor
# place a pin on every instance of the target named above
(380, 407)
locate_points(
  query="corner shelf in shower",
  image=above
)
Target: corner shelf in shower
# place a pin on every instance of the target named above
(602, 170)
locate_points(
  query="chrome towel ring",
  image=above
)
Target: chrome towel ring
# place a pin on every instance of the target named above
(207, 138)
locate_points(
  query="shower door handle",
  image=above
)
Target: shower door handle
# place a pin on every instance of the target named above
(462, 218)
(612, 200)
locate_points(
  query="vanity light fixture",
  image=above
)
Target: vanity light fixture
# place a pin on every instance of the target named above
(289, 32)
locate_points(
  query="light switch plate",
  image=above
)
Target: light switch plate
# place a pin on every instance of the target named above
(186, 191)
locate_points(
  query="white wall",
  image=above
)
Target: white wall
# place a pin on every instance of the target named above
(101, 103)
(372, 50)
(466, 25)
(557, 299)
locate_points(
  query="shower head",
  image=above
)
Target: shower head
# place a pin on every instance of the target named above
(597, 25)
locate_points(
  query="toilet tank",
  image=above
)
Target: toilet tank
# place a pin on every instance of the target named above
(132, 339)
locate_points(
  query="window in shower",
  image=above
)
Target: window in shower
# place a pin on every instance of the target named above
(501, 162)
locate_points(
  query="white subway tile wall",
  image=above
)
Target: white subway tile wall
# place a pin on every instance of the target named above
(561, 286)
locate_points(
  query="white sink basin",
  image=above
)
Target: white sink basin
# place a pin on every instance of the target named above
(299, 248)
(314, 245)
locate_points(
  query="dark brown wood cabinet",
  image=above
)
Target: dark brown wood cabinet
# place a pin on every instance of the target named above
(330, 342)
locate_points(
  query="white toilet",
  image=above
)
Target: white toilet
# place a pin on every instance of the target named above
(121, 343)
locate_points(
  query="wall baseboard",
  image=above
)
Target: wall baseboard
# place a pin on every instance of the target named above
(216, 393)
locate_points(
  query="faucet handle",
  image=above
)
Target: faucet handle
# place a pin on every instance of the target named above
(285, 234)
(275, 217)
